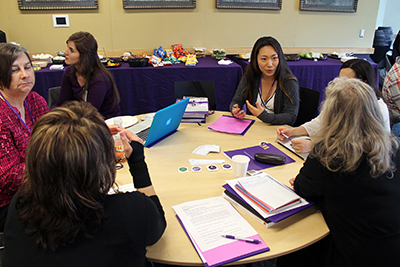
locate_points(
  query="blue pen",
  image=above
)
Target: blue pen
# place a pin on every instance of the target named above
(284, 135)
(248, 240)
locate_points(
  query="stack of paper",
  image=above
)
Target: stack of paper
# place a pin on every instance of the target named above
(196, 111)
(205, 222)
(264, 198)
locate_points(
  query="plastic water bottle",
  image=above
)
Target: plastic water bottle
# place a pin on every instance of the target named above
(119, 147)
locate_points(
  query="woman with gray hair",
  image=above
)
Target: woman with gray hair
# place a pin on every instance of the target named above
(351, 173)
(20, 107)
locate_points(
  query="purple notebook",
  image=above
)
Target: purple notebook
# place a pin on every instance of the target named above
(250, 151)
(274, 218)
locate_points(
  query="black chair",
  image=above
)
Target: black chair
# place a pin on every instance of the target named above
(3, 38)
(196, 88)
(1, 246)
(309, 103)
(382, 40)
(396, 48)
(52, 96)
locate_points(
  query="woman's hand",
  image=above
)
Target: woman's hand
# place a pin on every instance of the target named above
(291, 181)
(291, 132)
(302, 145)
(255, 110)
(115, 129)
(126, 137)
(284, 130)
(237, 112)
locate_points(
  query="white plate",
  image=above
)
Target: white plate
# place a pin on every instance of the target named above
(127, 121)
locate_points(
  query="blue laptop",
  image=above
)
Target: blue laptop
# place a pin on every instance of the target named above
(164, 123)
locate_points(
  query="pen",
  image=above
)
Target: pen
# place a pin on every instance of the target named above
(248, 240)
(284, 135)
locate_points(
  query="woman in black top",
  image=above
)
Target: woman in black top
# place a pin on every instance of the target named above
(268, 87)
(62, 214)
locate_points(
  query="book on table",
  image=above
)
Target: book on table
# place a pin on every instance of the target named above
(264, 198)
(205, 221)
(196, 111)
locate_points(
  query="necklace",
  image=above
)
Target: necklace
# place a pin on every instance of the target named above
(260, 92)
(16, 113)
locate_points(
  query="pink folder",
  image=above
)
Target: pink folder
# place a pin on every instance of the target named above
(230, 252)
(232, 125)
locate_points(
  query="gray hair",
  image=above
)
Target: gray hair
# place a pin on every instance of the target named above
(353, 129)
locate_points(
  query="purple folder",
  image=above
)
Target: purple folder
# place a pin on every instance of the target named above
(250, 151)
(274, 218)
(229, 252)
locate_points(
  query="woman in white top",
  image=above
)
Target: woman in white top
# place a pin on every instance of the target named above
(354, 68)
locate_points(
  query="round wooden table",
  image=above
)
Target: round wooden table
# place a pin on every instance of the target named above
(173, 187)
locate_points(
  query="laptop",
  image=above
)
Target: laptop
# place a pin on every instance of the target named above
(164, 123)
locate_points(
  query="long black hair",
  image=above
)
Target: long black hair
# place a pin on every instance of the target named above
(253, 72)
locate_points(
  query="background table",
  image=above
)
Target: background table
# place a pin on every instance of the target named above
(174, 188)
(148, 89)
(313, 74)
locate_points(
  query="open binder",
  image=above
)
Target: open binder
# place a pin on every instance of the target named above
(239, 200)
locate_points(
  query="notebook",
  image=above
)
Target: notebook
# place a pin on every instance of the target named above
(164, 123)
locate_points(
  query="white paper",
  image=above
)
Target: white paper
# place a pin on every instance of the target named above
(206, 220)
(205, 149)
(205, 161)
(268, 190)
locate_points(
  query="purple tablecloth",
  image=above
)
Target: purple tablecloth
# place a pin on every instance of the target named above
(313, 74)
(148, 89)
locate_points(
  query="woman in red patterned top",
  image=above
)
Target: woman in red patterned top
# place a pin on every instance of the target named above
(20, 107)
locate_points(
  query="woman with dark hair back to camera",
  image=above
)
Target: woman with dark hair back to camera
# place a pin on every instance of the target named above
(62, 215)
(268, 87)
(354, 68)
(352, 175)
(87, 79)
(20, 108)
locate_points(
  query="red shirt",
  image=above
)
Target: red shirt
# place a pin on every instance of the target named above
(14, 137)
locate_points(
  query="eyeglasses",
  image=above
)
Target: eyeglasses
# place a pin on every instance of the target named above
(119, 165)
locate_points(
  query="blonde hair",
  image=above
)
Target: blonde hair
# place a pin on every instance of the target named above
(352, 130)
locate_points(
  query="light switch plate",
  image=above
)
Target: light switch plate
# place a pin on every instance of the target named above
(61, 21)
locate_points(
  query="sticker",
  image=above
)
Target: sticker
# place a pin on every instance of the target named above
(264, 145)
(183, 169)
(212, 168)
(226, 166)
(196, 169)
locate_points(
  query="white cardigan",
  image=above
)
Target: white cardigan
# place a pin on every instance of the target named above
(313, 125)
